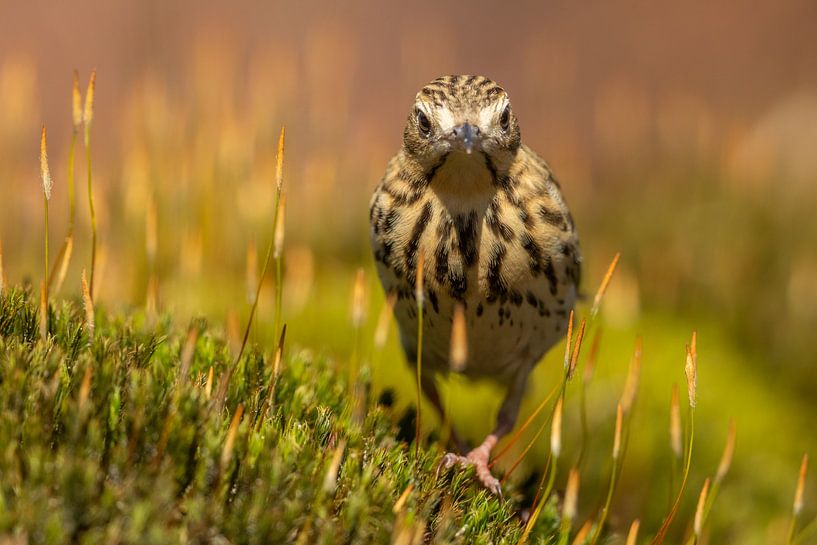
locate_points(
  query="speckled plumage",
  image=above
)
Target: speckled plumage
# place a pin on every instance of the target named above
(495, 233)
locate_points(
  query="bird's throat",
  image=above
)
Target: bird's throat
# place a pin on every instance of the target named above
(463, 174)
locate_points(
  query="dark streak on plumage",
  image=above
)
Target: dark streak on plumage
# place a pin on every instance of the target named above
(496, 284)
(466, 226)
(414, 242)
(495, 224)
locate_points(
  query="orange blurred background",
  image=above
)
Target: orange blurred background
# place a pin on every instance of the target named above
(684, 135)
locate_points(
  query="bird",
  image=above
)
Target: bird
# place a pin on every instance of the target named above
(485, 216)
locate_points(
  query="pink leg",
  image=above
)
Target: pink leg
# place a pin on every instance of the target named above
(480, 456)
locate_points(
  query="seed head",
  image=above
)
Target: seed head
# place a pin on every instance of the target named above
(568, 341)
(459, 340)
(251, 274)
(590, 364)
(633, 374)
(358, 299)
(556, 429)
(603, 286)
(381, 332)
(574, 360)
(88, 302)
(331, 478)
(728, 452)
(229, 443)
(571, 495)
(208, 385)
(76, 103)
(675, 422)
(691, 370)
(617, 435)
(85, 387)
(279, 228)
(801, 487)
(699, 511)
(45, 172)
(151, 236)
(279, 161)
(401, 501)
(88, 112)
(2, 277)
(632, 536)
(418, 283)
(188, 351)
(279, 353)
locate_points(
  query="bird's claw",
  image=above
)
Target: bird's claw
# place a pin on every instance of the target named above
(479, 460)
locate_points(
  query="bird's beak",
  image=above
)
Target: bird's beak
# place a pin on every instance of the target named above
(466, 136)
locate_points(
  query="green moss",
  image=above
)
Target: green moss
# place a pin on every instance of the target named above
(142, 459)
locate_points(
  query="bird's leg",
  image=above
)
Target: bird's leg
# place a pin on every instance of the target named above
(480, 456)
(429, 386)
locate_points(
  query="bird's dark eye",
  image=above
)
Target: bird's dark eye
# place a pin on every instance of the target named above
(423, 123)
(505, 118)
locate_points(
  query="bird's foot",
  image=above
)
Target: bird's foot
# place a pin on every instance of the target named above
(479, 458)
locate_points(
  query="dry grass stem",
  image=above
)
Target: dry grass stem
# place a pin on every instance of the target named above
(87, 118)
(459, 340)
(43, 310)
(418, 294)
(604, 284)
(45, 175)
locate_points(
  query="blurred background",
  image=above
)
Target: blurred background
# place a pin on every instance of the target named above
(683, 135)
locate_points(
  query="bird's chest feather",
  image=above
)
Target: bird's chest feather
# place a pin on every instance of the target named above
(481, 252)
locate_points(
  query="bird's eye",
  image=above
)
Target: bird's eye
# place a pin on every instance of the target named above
(423, 123)
(505, 118)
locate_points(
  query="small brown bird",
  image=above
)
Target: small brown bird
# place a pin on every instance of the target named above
(496, 237)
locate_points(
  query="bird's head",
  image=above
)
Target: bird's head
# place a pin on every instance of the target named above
(468, 115)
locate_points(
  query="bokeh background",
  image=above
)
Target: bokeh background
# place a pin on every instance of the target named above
(684, 135)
